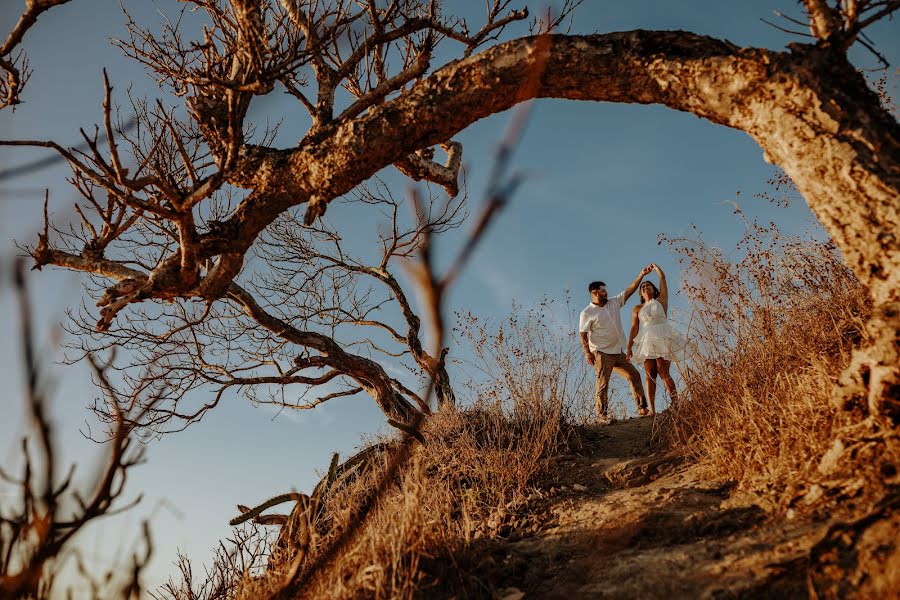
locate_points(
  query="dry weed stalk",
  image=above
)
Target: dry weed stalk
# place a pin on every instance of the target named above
(524, 361)
(38, 526)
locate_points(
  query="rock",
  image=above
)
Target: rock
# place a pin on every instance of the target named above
(511, 593)
(829, 462)
(579, 488)
(640, 471)
(815, 493)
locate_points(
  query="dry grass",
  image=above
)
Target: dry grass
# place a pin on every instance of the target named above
(774, 325)
(462, 487)
(456, 494)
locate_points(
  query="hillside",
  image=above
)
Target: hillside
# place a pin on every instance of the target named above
(510, 509)
(613, 519)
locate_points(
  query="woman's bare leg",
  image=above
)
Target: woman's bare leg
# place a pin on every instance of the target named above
(663, 367)
(650, 370)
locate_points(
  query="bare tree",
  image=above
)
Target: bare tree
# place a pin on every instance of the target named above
(174, 211)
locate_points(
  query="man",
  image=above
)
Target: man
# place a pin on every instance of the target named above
(603, 341)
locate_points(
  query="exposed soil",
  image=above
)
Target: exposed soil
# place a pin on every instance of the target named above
(616, 520)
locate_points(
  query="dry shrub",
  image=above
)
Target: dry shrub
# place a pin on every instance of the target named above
(461, 489)
(529, 358)
(233, 566)
(773, 325)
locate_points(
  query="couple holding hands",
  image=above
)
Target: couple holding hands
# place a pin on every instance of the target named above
(651, 341)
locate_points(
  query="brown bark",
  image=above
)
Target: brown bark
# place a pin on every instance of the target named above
(435, 368)
(11, 76)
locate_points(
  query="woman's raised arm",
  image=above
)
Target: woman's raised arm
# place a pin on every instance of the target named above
(663, 288)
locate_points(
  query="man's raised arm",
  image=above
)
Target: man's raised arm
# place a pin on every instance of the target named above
(634, 284)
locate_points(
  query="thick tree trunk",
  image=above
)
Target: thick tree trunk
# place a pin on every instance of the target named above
(827, 130)
(809, 110)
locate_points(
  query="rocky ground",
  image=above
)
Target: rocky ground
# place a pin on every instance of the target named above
(615, 520)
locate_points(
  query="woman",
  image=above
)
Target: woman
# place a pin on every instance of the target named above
(658, 343)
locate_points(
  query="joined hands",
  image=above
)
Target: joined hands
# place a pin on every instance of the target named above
(650, 267)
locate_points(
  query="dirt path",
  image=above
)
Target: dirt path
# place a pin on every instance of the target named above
(620, 522)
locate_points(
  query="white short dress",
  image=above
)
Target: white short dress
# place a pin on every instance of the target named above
(656, 338)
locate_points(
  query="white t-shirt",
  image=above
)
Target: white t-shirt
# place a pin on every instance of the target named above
(603, 325)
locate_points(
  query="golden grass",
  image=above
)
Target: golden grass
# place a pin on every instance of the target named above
(774, 327)
(454, 496)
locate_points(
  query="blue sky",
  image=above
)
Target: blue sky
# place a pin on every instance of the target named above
(603, 181)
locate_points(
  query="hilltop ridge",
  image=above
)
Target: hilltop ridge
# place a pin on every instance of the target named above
(614, 518)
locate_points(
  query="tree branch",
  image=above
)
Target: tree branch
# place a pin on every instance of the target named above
(10, 88)
(369, 374)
